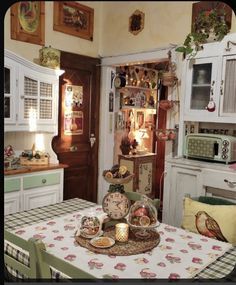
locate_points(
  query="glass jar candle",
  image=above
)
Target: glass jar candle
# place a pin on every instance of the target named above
(122, 232)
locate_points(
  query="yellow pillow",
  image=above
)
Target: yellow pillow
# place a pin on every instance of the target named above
(215, 221)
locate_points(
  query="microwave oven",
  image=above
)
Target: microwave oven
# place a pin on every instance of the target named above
(211, 147)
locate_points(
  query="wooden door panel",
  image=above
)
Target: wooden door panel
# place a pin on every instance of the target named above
(76, 180)
(78, 158)
(72, 145)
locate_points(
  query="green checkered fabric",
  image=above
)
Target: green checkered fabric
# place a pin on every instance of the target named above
(34, 216)
(218, 269)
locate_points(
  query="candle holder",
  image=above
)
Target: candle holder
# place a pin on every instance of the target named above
(122, 232)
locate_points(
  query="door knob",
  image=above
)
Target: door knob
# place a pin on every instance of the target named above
(92, 140)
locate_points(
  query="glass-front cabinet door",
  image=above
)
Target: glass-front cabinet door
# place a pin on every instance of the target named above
(201, 86)
(9, 92)
(36, 98)
(228, 87)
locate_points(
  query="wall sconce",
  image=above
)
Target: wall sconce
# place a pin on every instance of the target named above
(39, 142)
(32, 120)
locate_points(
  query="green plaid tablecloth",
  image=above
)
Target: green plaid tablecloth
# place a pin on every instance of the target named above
(218, 269)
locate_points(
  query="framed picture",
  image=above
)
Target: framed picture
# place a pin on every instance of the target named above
(74, 19)
(28, 22)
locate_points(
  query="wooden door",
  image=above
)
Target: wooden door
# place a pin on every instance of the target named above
(79, 92)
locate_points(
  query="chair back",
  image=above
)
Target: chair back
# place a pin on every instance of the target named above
(134, 196)
(27, 269)
(47, 260)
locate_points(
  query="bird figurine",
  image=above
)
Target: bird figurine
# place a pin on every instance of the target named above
(207, 226)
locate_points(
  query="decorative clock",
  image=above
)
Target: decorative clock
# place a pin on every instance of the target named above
(116, 205)
(119, 81)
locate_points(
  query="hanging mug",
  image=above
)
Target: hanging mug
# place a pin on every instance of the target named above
(211, 106)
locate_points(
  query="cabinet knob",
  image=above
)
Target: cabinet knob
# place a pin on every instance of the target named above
(44, 181)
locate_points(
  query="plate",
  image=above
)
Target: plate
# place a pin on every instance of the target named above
(102, 242)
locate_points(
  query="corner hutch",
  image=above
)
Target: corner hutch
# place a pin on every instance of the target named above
(208, 105)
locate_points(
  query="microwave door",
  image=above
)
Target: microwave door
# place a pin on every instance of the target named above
(216, 149)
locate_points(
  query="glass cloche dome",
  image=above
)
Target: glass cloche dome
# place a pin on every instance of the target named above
(142, 216)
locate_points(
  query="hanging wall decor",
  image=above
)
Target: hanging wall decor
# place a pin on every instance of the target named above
(73, 114)
(28, 22)
(136, 22)
(74, 19)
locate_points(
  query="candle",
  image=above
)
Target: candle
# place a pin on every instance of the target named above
(122, 232)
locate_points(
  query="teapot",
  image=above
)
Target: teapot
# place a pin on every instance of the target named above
(90, 225)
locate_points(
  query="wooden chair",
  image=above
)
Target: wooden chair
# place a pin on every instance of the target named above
(46, 260)
(29, 271)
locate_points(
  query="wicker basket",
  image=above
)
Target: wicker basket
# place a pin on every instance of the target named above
(34, 161)
(119, 180)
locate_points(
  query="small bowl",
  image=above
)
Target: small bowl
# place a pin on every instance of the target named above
(90, 226)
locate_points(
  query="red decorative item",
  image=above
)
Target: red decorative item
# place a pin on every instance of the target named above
(211, 106)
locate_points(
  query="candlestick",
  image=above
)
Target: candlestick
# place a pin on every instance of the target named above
(122, 232)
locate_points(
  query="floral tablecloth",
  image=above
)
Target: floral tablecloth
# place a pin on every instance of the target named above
(180, 254)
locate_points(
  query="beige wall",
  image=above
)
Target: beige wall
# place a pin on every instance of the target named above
(56, 39)
(165, 23)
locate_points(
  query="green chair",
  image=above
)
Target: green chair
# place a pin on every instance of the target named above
(134, 196)
(46, 260)
(212, 200)
(26, 271)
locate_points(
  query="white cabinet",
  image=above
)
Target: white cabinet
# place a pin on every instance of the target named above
(10, 85)
(11, 203)
(180, 181)
(201, 86)
(46, 196)
(30, 95)
(185, 177)
(210, 77)
(28, 191)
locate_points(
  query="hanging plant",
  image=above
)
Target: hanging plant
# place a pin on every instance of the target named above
(208, 26)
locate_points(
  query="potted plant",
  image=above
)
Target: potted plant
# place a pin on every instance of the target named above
(125, 145)
(208, 26)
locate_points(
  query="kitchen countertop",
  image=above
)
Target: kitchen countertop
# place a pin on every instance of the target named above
(28, 169)
(201, 164)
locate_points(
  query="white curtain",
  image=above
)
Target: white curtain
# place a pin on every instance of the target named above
(229, 102)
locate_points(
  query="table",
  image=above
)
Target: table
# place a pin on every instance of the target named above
(218, 269)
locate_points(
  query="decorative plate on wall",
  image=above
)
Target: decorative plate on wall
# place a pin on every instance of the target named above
(136, 22)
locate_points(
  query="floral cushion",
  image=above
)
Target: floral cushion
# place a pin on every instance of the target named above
(215, 221)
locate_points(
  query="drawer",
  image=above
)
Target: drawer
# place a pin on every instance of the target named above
(217, 179)
(41, 180)
(11, 185)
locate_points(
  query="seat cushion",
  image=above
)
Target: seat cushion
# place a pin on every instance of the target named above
(215, 221)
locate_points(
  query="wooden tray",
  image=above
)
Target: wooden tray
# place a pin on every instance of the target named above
(34, 161)
(133, 246)
(124, 180)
